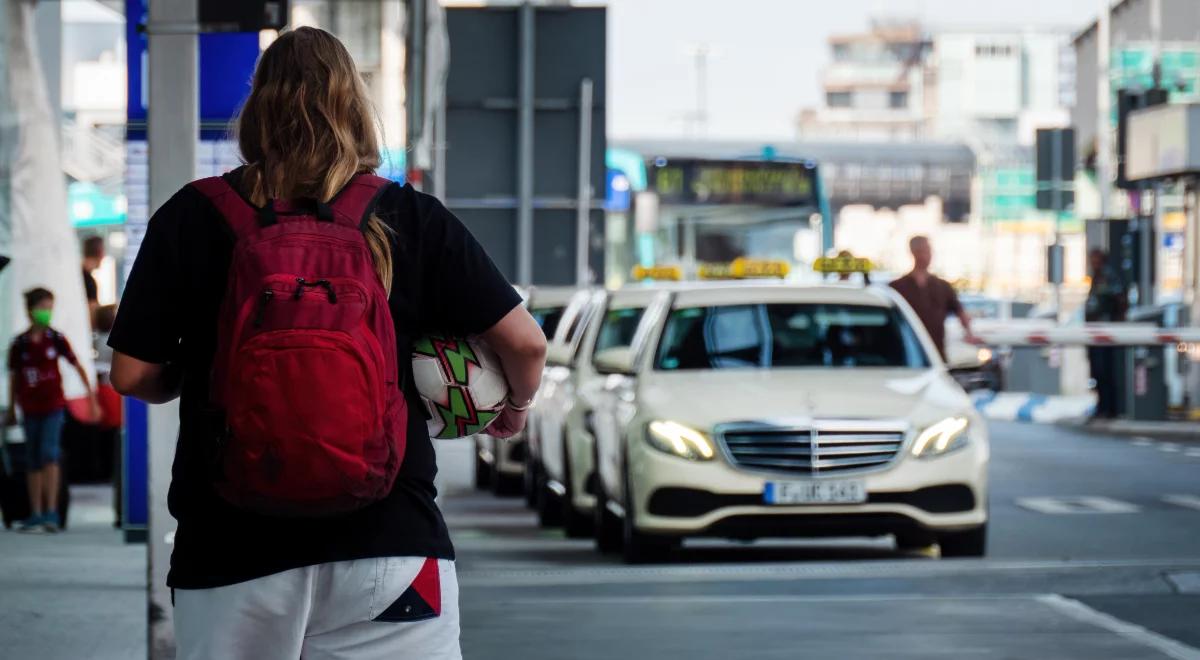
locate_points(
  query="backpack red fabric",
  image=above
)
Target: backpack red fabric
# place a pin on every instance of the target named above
(305, 370)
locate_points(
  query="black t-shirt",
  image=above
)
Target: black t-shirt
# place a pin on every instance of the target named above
(444, 282)
(90, 289)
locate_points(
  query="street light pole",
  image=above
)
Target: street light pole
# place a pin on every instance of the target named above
(1104, 148)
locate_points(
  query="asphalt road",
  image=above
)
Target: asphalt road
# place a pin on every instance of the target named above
(1094, 553)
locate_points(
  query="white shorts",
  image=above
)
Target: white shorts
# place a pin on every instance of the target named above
(390, 607)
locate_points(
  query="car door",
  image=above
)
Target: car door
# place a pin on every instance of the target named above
(616, 408)
(556, 396)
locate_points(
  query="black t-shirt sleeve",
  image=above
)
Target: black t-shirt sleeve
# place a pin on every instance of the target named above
(90, 287)
(952, 302)
(149, 318)
(463, 292)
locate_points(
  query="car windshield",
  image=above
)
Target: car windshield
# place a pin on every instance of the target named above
(617, 328)
(547, 318)
(788, 335)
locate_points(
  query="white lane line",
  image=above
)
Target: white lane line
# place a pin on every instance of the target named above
(1170, 447)
(722, 599)
(1130, 631)
(1075, 505)
(480, 575)
(1142, 441)
(1192, 453)
(1186, 501)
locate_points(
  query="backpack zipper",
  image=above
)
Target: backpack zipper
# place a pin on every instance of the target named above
(265, 297)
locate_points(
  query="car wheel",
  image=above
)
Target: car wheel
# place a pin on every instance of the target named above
(638, 547)
(530, 483)
(971, 543)
(575, 523)
(503, 484)
(607, 526)
(909, 541)
(483, 473)
(546, 503)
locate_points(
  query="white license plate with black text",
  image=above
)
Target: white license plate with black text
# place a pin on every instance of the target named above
(839, 491)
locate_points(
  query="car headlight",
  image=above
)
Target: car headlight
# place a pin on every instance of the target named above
(984, 355)
(679, 440)
(941, 438)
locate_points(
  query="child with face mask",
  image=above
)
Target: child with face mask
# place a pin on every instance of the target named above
(35, 385)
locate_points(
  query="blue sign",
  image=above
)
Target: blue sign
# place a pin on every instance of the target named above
(226, 67)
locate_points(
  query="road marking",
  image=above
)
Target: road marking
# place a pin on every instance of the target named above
(479, 576)
(1186, 501)
(1130, 631)
(1192, 453)
(1170, 447)
(722, 599)
(1073, 505)
(1142, 441)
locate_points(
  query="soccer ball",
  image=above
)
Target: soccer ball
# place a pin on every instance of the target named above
(461, 383)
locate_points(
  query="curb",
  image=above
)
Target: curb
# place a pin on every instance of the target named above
(1033, 408)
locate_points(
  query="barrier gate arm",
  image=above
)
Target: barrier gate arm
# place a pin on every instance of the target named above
(1096, 334)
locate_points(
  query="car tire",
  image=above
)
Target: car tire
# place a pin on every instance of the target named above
(607, 525)
(503, 484)
(909, 541)
(970, 543)
(483, 473)
(529, 481)
(638, 547)
(547, 504)
(575, 523)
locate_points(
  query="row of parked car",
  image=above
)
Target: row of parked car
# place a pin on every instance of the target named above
(744, 409)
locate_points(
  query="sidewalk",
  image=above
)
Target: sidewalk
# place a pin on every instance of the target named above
(78, 594)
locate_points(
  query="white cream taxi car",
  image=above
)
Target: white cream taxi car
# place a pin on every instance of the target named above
(597, 323)
(775, 410)
(500, 462)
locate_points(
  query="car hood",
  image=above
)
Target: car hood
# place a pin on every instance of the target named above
(703, 399)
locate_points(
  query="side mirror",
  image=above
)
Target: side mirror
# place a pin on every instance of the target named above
(616, 360)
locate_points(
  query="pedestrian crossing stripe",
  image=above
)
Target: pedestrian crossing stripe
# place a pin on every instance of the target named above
(1186, 501)
(1076, 505)
(1095, 504)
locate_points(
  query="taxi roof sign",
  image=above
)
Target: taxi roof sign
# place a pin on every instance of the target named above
(743, 268)
(670, 273)
(842, 264)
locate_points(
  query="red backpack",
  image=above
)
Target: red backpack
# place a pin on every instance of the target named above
(305, 370)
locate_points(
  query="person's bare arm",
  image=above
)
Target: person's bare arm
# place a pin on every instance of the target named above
(521, 346)
(150, 382)
(965, 320)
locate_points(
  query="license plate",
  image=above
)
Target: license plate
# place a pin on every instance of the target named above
(846, 491)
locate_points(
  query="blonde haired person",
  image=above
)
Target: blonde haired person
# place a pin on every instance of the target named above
(376, 582)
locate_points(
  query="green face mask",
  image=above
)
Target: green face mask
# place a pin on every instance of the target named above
(41, 316)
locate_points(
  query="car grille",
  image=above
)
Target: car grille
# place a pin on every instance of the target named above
(823, 448)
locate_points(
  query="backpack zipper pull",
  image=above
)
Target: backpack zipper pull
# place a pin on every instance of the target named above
(329, 292)
(266, 297)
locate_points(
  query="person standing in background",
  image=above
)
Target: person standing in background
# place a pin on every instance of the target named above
(35, 384)
(931, 297)
(93, 255)
(1107, 302)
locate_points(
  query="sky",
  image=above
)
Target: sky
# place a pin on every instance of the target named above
(766, 55)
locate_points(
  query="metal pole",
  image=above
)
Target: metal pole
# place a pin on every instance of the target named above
(1056, 203)
(583, 202)
(525, 149)
(1104, 148)
(415, 116)
(173, 127)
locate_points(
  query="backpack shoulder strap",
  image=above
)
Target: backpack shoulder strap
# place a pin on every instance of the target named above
(241, 217)
(354, 204)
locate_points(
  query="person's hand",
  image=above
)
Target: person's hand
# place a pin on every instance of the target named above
(509, 423)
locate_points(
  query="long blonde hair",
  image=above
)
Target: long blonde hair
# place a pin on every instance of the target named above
(308, 127)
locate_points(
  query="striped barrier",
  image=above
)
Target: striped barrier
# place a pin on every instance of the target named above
(1029, 407)
(1107, 334)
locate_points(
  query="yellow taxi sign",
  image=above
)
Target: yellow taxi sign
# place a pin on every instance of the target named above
(673, 273)
(753, 268)
(743, 268)
(842, 264)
